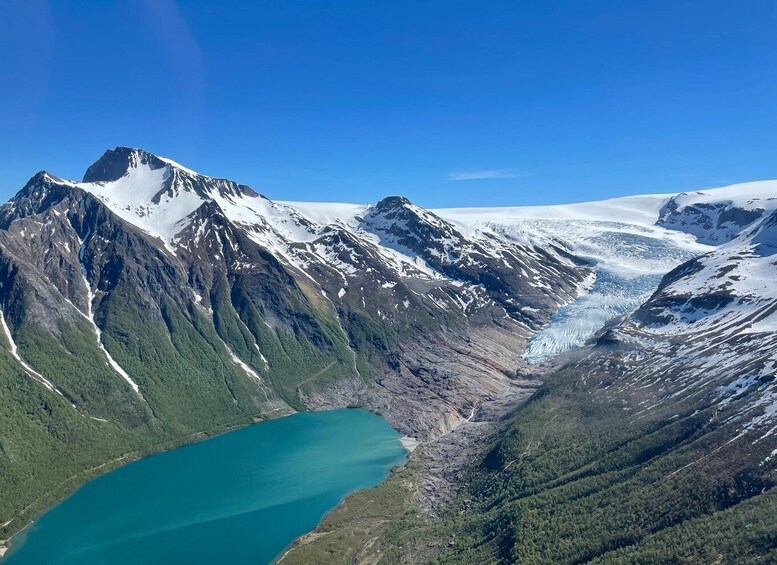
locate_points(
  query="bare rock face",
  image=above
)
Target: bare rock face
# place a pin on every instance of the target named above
(486, 262)
(115, 163)
(433, 385)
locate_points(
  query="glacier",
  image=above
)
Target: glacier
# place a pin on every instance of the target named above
(629, 259)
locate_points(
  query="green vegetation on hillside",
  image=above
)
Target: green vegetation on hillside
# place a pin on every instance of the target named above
(576, 477)
(355, 530)
(44, 442)
(50, 444)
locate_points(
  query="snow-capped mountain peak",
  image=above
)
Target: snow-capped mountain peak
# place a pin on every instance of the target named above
(157, 194)
(118, 162)
(496, 255)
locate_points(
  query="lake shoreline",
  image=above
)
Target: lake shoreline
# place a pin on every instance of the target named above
(64, 490)
(409, 443)
(58, 529)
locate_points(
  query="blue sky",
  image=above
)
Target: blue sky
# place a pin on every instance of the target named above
(449, 103)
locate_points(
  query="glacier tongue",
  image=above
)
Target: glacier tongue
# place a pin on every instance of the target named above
(629, 260)
(611, 296)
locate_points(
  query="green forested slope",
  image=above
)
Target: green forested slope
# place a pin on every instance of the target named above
(575, 479)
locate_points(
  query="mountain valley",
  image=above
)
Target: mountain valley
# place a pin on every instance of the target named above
(549, 361)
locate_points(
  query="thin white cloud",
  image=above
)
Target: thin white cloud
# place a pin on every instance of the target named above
(489, 174)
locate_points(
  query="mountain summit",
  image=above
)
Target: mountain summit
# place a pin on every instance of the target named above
(116, 163)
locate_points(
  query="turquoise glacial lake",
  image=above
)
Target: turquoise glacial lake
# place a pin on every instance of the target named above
(241, 497)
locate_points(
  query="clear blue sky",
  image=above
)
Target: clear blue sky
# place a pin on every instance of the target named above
(557, 101)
